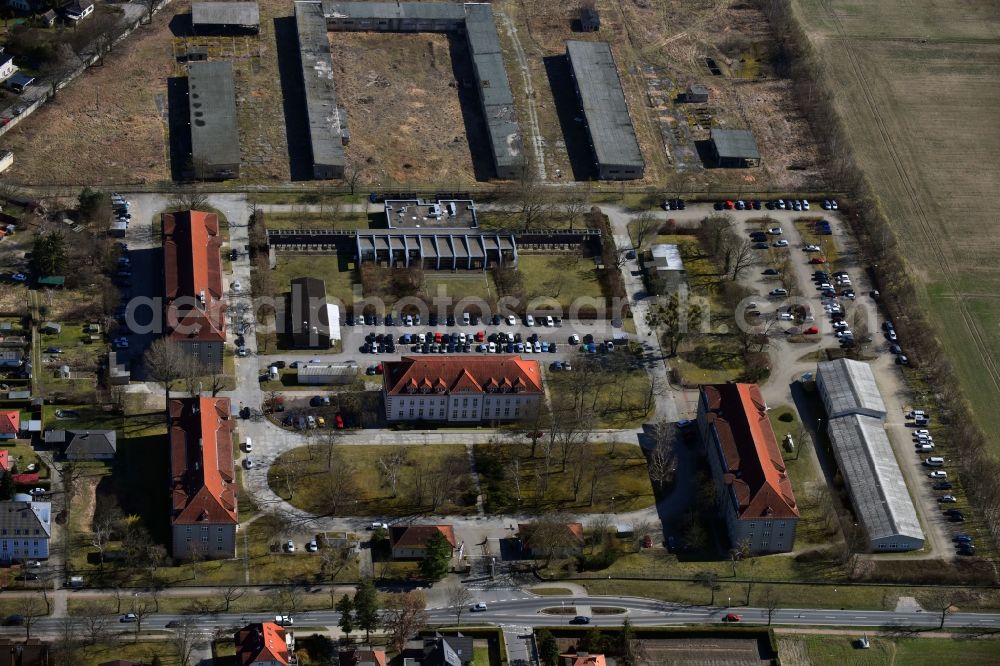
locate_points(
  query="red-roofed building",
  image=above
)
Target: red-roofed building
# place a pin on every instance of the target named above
(10, 424)
(203, 514)
(758, 501)
(409, 542)
(462, 388)
(195, 313)
(362, 656)
(262, 644)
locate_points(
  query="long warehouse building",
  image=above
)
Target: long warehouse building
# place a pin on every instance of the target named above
(476, 20)
(865, 457)
(599, 89)
(326, 119)
(215, 141)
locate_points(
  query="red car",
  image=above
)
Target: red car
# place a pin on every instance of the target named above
(732, 617)
(730, 205)
(818, 260)
(480, 336)
(379, 369)
(338, 420)
(812, 330)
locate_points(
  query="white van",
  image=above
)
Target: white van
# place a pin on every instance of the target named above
(934, 461)
(272, 373)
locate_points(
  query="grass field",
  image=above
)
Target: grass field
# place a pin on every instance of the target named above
(820, 650)
(563, 279)
(456, 286)
(337, 272)
(917, 149)
(431, 478)
(325, 220)
(619, 470)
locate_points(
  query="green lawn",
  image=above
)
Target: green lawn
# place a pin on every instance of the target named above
(337, 272)
(92, 655)
(562, 278)
(455, 286)
(431, 479)
(615, 399)
(619, 470)
(326, 220)
(839, 651)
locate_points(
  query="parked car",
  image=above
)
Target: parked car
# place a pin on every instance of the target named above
(938, 474)
(947, 499)
(942, 485)
(934, 461)
(312, 546)
(779, 291)
(289, 546)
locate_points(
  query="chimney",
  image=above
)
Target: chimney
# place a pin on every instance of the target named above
(201, 297)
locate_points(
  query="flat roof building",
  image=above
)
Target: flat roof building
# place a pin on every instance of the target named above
(757, 499)
(734, 148)
(326, 121)
(875, 483)
(599, 90)
(307, 320)
(226, 18)
(418, 214)
(666, 266)
(215, 141)
(437, 249)
(848, 387)
(326, 373)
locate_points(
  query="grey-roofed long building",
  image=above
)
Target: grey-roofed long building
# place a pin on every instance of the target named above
(848, 387)
(881, 500)
(437, 249)
(326, 122)
(599, 89)
(225, 17)
(215, 141)
(477, 21)
(734, 148)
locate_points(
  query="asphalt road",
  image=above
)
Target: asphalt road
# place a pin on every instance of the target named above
(641, 612)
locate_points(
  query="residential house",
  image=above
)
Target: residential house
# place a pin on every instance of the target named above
(11, 358)
(583, 659)
(756, 497)
(362, 655)
(25, 529)
(666, 268)
(24, 652)
(84, 444)
(462, 389)
(454, 650)
(78, 10)
(7, 66)
(409, 542)
(192, 267)
(203, 484)
(538, 542)
(10, 424)
(48, 19)
(262, 644)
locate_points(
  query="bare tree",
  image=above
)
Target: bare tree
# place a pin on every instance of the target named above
(738, 255)
(459, 598)
(710, 581)
(389, 466)
(94, 617)
(643, 227)
(332, 561)
(531, 196)
(150, 7)
(712, 232)
(142, 607)
(185, 636)
(31, 608)
(674, 318)
(166, 362)
(404, 614)
(769, 600)
(230, 594)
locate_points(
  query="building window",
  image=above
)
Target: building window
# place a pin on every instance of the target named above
(464, 414)
(506, 411)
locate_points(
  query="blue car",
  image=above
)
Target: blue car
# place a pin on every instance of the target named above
(545, 346)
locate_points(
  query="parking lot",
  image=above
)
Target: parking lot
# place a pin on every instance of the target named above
(822, 299)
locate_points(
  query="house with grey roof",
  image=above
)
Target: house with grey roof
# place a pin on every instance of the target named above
(599, 90)
(442, 650)
(84, 444)
(734, 148)
(225, 18)
(25, 529)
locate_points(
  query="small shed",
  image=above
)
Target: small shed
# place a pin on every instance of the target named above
(48, 19)
(326, 373)
(590, 19)
(696, 93)
(52, 281)
(734, 148)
